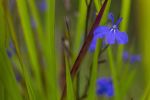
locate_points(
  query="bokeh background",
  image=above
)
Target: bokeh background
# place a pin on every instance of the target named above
(39, 38)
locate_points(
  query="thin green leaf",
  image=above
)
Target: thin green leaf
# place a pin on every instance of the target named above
(92, 87)
(146, 93)
(114, 74)
(70, 91)
(24, 71)
(125, 13)
(97, 4)
(127, 82)
(50, 51)
(80, 27)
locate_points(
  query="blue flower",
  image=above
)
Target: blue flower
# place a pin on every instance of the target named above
(110, 34)
(132, 58)
(42, 6)
(125, 56)
(105, 87)
(135, 58)
(9, 53)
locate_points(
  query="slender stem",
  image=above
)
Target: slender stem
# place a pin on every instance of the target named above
(85, 45)
(85, 35)
(87, 17)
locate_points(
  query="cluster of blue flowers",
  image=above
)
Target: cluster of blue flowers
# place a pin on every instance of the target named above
(105, 87)
(109, 34)
(131, 58)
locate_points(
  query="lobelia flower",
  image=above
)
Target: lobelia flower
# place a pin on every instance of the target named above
(132, 58)
(110, 34)
(105, 87)
(135, 58)
(42, 6)
(9, 53)
(125, 56)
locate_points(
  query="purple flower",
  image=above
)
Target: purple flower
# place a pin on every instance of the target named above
(42, 6)
(132, 58)
(111, 34)
(135, 58)
(105, 87)
(9, 53)
(125, 56)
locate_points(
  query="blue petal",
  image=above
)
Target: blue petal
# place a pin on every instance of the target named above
(110, 37)
(101, 31)
(9, 53)
(125, 55)
(102, 81)
(118, 21)
(43, 5)
(92, 46)
(105, 87)
(110, 90)
(135, 58)
(121, 37)
(111, 17)
(100, 91)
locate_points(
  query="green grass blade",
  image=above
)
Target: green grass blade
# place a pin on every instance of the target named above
(146, 93)
(80, 28)
(126, 83)
(70, 91)
(105, 15)
(7, 78)
(113, 73)
(36, 18)
(24, 71)
(29, 39)
(106, 12)
(92, 87)
(125, 13)
(97, 5)
(2, 90)
(50, 51)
